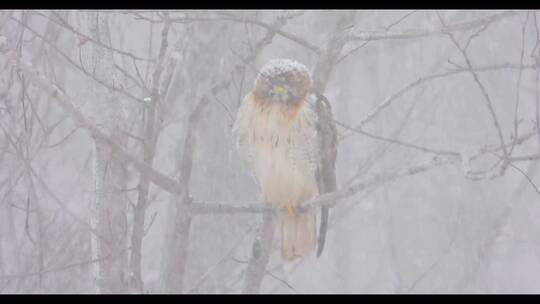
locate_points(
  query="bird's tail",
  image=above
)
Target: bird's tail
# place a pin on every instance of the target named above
(298, 235)
(322, 230)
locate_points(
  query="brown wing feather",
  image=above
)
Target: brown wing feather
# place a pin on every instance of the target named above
(306, 149)
(326, 174)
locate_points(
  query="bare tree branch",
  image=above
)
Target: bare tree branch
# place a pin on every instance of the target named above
(489, 103)
(63, 101)
(420, 33)
(424, 79)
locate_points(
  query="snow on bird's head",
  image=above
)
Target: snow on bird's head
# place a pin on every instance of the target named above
(282, 66)
(283, 80)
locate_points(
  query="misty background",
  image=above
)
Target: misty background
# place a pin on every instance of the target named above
(119, 172)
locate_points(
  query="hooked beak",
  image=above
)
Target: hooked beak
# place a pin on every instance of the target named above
(280, 89)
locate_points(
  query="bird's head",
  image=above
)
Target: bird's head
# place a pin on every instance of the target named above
(284, 81)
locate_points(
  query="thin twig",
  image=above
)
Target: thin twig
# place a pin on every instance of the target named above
(420, 33)
(527, 177)
(424, 79)
(489, 103)
(64, 24)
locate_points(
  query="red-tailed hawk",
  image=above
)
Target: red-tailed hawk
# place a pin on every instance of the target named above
(277, 133)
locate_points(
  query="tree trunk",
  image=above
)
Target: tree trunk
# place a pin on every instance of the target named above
(109, 208)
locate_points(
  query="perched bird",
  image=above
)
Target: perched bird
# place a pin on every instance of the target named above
(277, 133)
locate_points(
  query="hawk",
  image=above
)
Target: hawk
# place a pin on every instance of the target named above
(278, 133)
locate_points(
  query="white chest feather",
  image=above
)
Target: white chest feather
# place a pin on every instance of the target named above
(282, 144)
